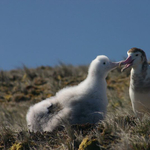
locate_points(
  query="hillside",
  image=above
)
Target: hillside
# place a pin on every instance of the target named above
(21, 88)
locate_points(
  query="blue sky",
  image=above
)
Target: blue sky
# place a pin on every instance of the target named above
(44, 32)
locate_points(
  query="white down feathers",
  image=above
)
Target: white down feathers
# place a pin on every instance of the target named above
(80, 104)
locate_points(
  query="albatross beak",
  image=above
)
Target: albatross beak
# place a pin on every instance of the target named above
(127, 63)
(113, 65)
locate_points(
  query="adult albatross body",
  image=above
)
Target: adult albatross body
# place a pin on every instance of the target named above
(139, 90)
(80, 104)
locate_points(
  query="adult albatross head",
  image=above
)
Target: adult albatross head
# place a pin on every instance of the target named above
(135, 58)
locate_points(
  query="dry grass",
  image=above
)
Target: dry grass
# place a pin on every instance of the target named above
(20, 88)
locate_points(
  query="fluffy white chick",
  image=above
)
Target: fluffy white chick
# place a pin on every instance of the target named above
(80, 104)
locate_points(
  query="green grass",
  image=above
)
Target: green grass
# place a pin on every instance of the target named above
(21, 88)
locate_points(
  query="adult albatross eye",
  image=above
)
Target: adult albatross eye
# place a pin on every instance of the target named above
(137, 55)
(104, 63)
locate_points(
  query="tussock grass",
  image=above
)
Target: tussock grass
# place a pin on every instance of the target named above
(21, 88)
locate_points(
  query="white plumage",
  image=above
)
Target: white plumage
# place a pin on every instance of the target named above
(84, 103)
(139, 90)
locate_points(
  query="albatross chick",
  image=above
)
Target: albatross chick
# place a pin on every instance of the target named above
(80, 104)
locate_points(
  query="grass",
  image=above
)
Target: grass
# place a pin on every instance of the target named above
(21, 88)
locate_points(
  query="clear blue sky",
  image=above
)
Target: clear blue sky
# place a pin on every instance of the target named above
(44, 32)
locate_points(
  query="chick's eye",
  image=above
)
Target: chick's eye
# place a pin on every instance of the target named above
(137, 55)
(104, 63)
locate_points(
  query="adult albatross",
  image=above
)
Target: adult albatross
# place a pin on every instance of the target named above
(139, 90)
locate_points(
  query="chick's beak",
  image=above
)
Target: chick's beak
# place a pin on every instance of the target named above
(113, 65)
